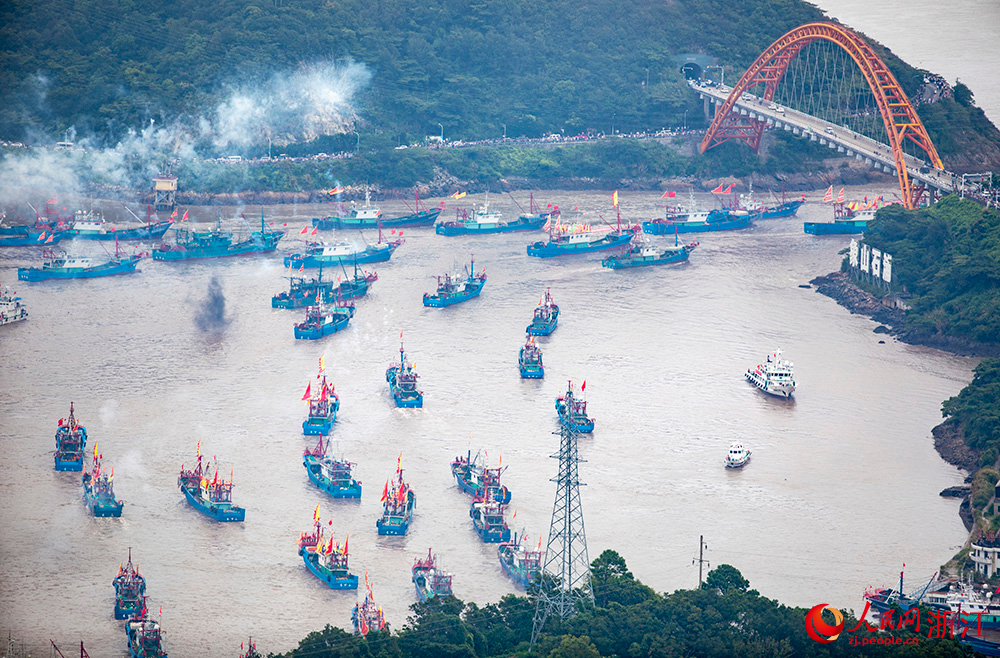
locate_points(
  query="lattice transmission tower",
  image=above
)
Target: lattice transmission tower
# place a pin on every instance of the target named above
(565, 577)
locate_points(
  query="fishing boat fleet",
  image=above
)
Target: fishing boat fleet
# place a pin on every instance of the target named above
(328, 311)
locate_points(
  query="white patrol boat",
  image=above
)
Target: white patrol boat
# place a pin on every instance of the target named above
(738, 456)
(774, 376)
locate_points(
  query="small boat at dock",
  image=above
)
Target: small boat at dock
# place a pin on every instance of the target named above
(130, 587)
(324, 558)
(71, 439)
(334, 476)
(545, 318)
(402, 379)
(428, 578)
(98, 489)
(210, 496)
(573, 412)
(452, 290)
(398, 503)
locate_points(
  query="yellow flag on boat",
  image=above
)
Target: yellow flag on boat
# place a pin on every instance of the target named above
(322, 362)
(458, 195)
(614, 199)
(199, 449)
(316, 513)
(95, 449)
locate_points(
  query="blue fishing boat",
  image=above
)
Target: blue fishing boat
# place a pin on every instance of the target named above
(719, 219)
(369, 216)
(53, 222)
(529, 360)
(522, 565)
(573, 412)
(304, 292)
(402, 378)
(478, 480)
(145, 639)
(98, 489)
(784, 209)
(324, 319)
(334, 476)
(643, 252)
(91, 226)
(323, 407)
(488, 520)
(486, 221)
(210, 496)
(367, 616)
(71, 439)
(428, 578)
(63, 267)
(130, 587)
(452, 290)
(847, 220)
(398, 503)
(33, 239)
(216, 243)
(326, 559)
(567, 239)
(545, 318)
(321, 253)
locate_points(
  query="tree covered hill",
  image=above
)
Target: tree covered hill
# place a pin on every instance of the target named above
(474, 67)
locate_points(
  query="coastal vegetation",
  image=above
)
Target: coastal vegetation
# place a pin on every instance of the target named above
(465, 70)
(723, 618)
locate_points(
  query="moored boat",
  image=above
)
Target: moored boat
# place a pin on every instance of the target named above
(398, 503)
(428, 578)
(521, 564)
(737, 457)
(545, 318)
(130, 587)
(573, 412)
(402, 379)
(64, 267)
(210, 496)
(98, 489)
(774, 376)
(145, 639)
(643, 252)
(323, 407)
(71, 439)
(367, 616)
(529, 360)
(847, 220)
(934, 594)
(452, 290)
(326, 559)
(11, 308)
(334, 476)
(324, 319)
(216, 243)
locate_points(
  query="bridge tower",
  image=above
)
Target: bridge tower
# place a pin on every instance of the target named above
(902, 124)
(164, 191)
(565, 577)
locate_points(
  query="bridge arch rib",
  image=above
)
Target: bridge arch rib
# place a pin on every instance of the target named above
(898, 115)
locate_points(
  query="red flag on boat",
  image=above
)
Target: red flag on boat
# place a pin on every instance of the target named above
(828, 197)
(400, 232)
(385, 492)
(337, 190)
(314, 232)
(329, 548)
(316, 513)
(584, 386)
(305, 229)
(53, 200)
(308, 391)
(173, 215)
(184, 218)
(730, 188)
(302, 267)
(401, 494)
(718, 190)
(48, 239)
(323, 394)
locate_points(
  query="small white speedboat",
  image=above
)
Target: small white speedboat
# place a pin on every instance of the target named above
(738, 456)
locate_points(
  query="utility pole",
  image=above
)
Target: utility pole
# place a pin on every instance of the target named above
(701, 558)
(565, 576)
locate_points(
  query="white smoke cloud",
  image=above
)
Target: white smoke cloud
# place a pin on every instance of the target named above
(299, 106)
